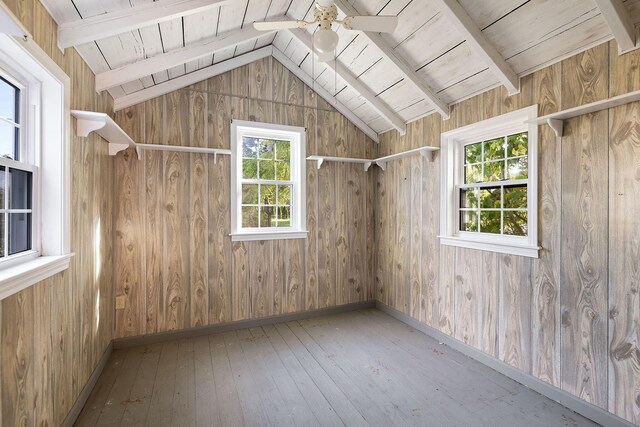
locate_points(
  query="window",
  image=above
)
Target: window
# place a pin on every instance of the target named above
(267, 179)
(34, 165)
(489, 185)
(16, 176)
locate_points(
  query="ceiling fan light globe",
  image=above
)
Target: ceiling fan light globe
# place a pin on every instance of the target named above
(325, 57)
(325, 40)
(324, 3)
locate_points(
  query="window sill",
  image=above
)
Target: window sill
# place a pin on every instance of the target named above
(21, 276)
(272, 235)
(503, 248)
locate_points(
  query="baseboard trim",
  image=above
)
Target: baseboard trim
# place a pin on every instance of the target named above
(73, 414)
(231, 326)
(583, 408)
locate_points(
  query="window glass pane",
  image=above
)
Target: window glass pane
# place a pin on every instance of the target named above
(515, 197)
(268, 194)
(19, 189)
(2, 246)
(283, 150)
(517, 145)
(494, 149)
(472, 174)
(249, 169)
(266, 149)
(8, 137)
(473, 153)
(8, 96)
(284, 216)
(250, 147)
(490, 222)
(515, 223)
(518, 168)
(266, 169)
(284, 195)
(250, 194)
(493, 171)
(19, 232)
(2, 178)
(283, 171)
(469, 221)
(267, 216)
(469, 198)
(250, 216)
(490, 198)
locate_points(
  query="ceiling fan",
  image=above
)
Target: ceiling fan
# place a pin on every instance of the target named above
(325, 39)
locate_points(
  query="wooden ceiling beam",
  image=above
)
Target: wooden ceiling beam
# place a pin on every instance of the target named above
(358, 85)
(479, 44)
(619, 21)
(110, 24)
(164, 61)
(323, 93)
(191, 78)
(400, 63)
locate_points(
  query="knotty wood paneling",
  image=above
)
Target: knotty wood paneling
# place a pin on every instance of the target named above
(624, 277)
(545, 299)
(53, 334)
(570, 316)
(584, 245)
(191, 274)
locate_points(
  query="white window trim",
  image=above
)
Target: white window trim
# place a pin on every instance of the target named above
(52, 195)
(451, 143)
(297, 135)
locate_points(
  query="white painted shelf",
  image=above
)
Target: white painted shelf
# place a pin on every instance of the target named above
(103, 125)
(382, 161)
(423, 151)
(321, 159)
(184, 149)
(555, 120)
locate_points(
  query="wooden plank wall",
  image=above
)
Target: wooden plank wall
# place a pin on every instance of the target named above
(571, 317)
(175, 263)
(54, 333)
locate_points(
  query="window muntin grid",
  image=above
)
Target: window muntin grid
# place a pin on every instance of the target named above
(493, 196)
(266, 184)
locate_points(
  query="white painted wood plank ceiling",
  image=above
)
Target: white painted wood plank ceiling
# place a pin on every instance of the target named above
(527, 34)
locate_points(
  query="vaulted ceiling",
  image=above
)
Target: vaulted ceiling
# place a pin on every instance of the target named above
(441, 52)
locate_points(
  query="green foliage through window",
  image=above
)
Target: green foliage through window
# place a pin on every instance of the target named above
(499, 208)
(267, 187)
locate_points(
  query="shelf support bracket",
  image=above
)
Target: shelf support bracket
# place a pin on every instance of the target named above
(428, 154)
(557, 125)
(319, 163)
(367, 165)
(382, 165)
(115, 148)
(85, 127)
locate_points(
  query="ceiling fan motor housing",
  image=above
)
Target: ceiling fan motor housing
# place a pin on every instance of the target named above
(325, 15)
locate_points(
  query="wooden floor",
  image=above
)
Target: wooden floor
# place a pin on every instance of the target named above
(356, 369)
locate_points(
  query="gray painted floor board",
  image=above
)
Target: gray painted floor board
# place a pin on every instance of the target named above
(356, 369)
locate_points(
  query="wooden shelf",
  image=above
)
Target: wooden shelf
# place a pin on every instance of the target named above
(555, 120)
(321, 159)
(381, 161)
(424, 151)
(103, 125)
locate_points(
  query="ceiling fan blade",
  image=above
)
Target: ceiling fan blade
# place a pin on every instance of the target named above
(378, 24)
(279, 25)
